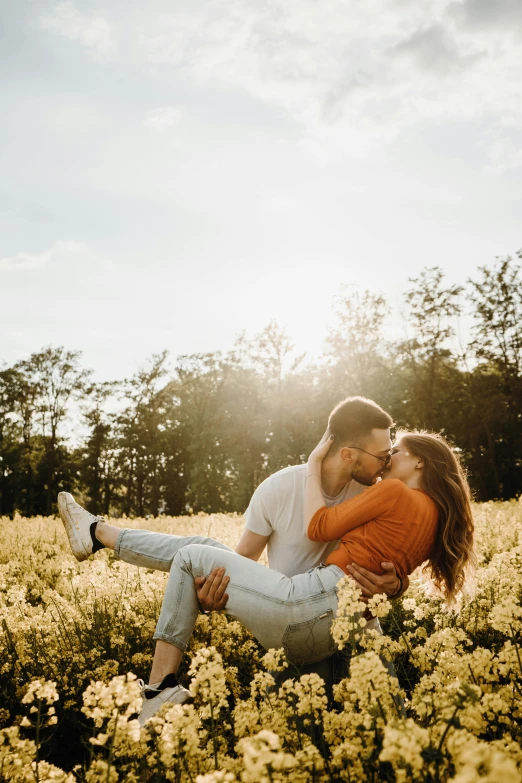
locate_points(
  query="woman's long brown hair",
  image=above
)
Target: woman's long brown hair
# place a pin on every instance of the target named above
(445, 481)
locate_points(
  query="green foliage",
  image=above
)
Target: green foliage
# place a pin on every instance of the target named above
(201, 435)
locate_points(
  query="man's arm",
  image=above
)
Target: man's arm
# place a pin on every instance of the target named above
(251, 544)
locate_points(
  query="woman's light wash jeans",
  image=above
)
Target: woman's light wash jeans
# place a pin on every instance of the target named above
(295, 613)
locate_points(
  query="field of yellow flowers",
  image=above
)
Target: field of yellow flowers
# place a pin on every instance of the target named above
(74, 638)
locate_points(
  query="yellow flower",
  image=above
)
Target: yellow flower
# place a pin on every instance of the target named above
(74, 628)
(403, 745)
(208, 683)
(275, 660)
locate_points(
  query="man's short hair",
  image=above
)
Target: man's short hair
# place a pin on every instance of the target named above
(351, 422)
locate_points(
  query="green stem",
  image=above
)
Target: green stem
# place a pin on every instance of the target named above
(296, 718)
(516, 647)
(37, 755)
(213, 735)
(448, 726)
(444, 735)
(472, 674)
(381, 708)
(185, 764)
(12, 645)
(109, 764)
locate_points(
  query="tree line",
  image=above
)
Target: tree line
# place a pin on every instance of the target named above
(202, 434)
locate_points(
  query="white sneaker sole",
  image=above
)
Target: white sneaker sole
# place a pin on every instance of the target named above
(73, 528)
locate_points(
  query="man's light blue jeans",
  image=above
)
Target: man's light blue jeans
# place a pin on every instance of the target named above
(293, 613)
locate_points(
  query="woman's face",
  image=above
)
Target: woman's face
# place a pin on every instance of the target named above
(403, 463)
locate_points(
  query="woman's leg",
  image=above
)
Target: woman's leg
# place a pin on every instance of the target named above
(88, 533)
(294, 613)
(107, 534)
(154, 550)
(280, 611)
(167, 660)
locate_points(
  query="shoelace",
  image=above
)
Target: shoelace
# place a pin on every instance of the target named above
(145, 687)
(170, 681)
(147, 692)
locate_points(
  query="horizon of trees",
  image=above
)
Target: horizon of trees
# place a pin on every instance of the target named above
(203, 435)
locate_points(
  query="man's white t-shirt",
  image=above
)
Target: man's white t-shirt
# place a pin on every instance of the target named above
(277, 510)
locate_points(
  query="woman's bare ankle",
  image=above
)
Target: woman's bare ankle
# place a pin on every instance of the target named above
(167, 659)
(107, 534)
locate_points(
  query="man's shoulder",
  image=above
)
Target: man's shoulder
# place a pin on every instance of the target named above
(291, 473)
(283, 481)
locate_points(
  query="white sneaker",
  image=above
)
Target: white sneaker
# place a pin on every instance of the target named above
(77, 522)
(170, 691)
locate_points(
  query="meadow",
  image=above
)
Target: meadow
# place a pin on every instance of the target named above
(74, 638)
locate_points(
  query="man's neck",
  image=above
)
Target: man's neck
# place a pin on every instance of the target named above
(333, 480)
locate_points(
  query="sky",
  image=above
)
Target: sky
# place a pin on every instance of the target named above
(175, 173)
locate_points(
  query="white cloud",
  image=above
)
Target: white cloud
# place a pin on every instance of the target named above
(91, 30)
(60, 251)
(355, 74)
(25, 260)
(503, 155)
(484, 14)
(435, 50)
(163, 118)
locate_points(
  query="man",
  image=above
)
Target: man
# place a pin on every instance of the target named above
(274, 517)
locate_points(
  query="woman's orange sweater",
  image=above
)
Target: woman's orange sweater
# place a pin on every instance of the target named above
(389, 522)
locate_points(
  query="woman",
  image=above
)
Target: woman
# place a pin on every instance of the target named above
(419, 512)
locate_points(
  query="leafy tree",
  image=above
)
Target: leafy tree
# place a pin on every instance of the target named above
(10, 442)
(57, 380)
(276, 364)
(496, 381)
(20, 445)
(427, 365)
(355, 345)
(497, 303)
(200, 392)
(273, 354)
(98, 454)
(139, 429)
(202, 436)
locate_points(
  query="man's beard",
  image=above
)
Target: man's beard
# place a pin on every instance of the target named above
(362, 476)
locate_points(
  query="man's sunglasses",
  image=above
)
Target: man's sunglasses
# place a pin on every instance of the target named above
(386, 460)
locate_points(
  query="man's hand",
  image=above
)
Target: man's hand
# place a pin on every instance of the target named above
(371, 584)
(210, 590)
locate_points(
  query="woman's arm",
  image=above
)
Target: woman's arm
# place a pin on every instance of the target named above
(314, 498)
(329, 524)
